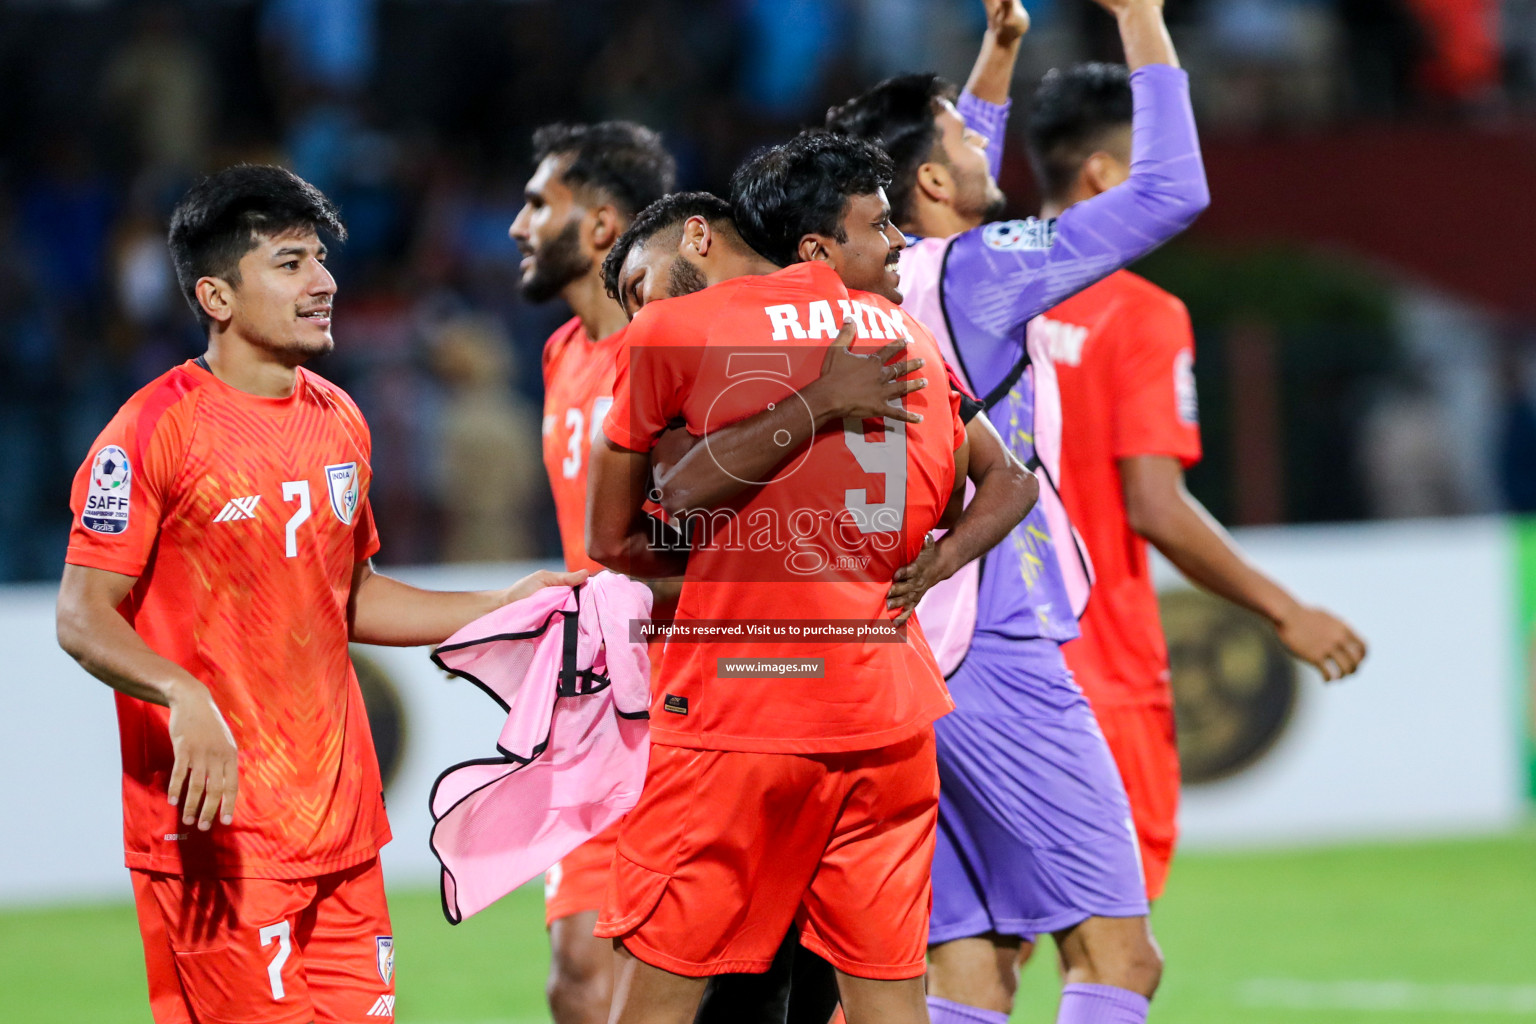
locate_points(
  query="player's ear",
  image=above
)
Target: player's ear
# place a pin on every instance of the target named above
(606, 228)
(935, 182)
(813, 247)
(697, 235)
(1103, 171)
(216, 296)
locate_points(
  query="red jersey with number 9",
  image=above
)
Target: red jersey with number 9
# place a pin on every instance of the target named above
(818, 542)
(242, 518)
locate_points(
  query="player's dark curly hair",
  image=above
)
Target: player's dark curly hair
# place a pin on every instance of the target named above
(667, 214)
(1071, 114)
(622, 161)
(802, 187)
(220, 219)
(898, 116)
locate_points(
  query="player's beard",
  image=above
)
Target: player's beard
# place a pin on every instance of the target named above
(997, 203)
(683, 278)
(557, 263)
(293, 351)
(985, 200)
(978, 196)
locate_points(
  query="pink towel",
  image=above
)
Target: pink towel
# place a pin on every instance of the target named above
(573, 751)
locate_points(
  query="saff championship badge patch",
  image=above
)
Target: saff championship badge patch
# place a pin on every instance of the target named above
(107, 499)
(1018, 235)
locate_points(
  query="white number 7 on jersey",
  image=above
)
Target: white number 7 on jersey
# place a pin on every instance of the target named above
(296, 489)
(279, 932)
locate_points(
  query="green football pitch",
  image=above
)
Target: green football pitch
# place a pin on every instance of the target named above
(1424, 933)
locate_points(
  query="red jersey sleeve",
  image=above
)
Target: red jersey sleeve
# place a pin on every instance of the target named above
(122, 487)
(647, 383)
(957, 401)
(366, 535)
(1156, 409)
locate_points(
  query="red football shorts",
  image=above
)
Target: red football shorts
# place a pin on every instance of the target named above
(1142, 739)
(267, 951)
(579, 880)
(726, 850)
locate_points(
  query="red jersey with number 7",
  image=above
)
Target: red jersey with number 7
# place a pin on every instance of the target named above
(242, 518)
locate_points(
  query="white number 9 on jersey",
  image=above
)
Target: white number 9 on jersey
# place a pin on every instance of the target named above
(888, 457)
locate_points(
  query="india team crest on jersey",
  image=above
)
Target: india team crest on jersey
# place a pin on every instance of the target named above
(107, 497)
(385, 946)
(343, 483)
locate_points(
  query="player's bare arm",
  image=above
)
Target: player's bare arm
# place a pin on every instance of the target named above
(956, 504)
(383, 610)
(1005, 492)
(620, 534)
(1162, 511)
(851, 386)
(1142, 32)
(91, 631)
(992, 74)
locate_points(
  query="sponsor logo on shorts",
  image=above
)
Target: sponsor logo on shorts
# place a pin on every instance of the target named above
(675, 704)
(108, 497)
(343, 483)
(238, 508)
(385, 949)
(384, 1007)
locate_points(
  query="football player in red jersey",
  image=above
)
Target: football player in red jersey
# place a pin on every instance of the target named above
(219, 563)
(1124, 355)
(689, 241)
(589, 182)
(741, 725)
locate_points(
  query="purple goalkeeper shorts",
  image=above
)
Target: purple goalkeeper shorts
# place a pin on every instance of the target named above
(1035, 832)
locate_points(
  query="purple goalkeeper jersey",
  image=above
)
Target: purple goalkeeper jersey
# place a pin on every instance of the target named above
(978, 290)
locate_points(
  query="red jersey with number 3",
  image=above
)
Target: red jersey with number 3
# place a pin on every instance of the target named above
(578, 389)
(1125, 358)
(818, 542)
(242, 518)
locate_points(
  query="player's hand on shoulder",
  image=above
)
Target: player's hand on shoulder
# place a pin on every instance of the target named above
(1007, 20)
(207, 762)
(915, 579)
(536, 581)
(1323, 640)
(865, 386)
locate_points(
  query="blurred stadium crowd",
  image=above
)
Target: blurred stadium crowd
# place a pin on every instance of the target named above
(1331, 388)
